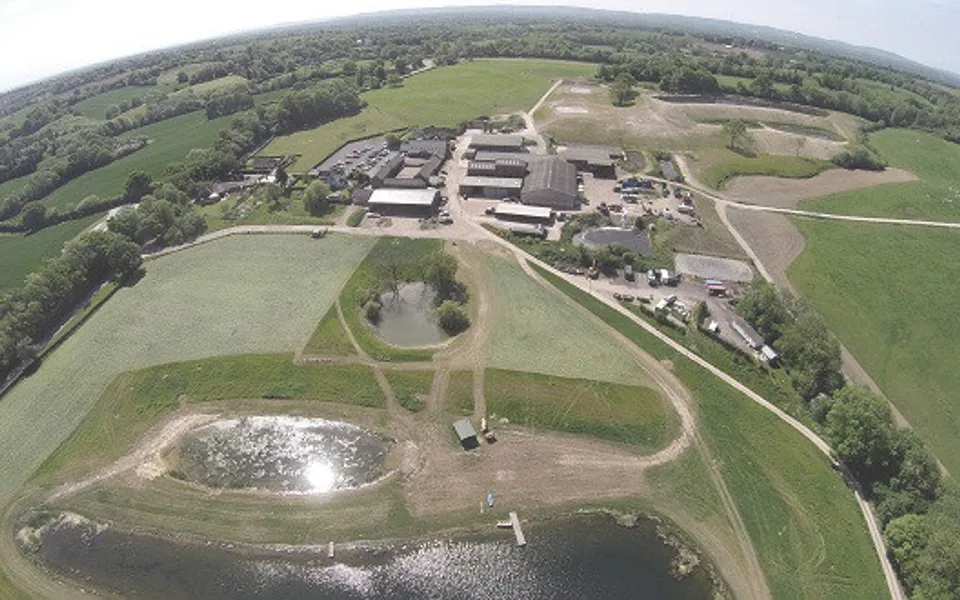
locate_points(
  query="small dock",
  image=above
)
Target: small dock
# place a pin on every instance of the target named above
(515, 522)
(330, 550)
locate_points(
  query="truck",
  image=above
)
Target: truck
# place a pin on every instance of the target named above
(628, 273)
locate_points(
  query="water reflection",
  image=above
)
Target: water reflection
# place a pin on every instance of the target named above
(282, 454)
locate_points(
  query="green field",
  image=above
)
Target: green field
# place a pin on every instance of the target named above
(890, 294)
(411, 388)
(936, 196)
(458, 399)
(95, 107)
(330, 337)
(807, 529)
(444, 96)
(11, 185)
(202, 89)
(610, 411)
(23, 254)
(404, 253)
(529, 318)
(731, 165)
(170, 141)
(239, 295)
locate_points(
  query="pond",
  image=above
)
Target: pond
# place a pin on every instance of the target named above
(574, 557)
(282, 454)
(410, 319)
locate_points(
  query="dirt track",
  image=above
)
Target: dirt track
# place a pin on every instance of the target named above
(772, 237)
(787, 193)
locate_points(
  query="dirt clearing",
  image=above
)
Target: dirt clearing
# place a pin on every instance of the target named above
(787, 193)
(711, 267)
(773, 238)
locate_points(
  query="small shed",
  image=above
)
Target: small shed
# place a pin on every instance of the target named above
(466, 433)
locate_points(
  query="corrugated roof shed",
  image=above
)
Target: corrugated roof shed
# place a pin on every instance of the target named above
(389, 168)
(748, 333)
(397, 197)
(425, 148)
(430, 167)
(512, 209)
(491, 156)
(486, 140)
(510, 183)
(551, 181)
(464, 429)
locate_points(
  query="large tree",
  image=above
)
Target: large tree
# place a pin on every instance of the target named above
(138, 185)
(862, 432)
(735, 130)
(621, 90)
(315, 198)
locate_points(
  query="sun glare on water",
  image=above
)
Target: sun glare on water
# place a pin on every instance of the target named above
(321, 476)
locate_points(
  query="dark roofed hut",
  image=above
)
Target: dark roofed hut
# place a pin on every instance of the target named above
(466, 433)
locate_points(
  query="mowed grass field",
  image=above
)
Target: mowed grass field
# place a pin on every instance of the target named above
(170, 141)
(444, 96)
(23, 254)
(627, 414)
(536, 330)
(935, 196)
(723, 165)
(808, 532)
(95, 107)
(890, 294)
(238, 295)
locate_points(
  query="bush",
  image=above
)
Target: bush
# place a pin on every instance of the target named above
(355, 218)
(453, 317)
(858, 158)
(372, 310)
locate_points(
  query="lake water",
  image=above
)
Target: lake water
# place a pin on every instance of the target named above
(576, 557)
(282, 454)
(410, 318)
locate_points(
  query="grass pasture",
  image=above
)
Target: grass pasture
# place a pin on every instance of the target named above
(238, 295)
(935, 196)
(444, 96)
(202, 89)
(713, 238)
(894, 307)
(330, 338)
(95, 107)
(170, 141)
(529, 318)
(458, 399)
(807, 529)
(610, 411)
(411, 388)
(721, 168)
(404, 253)
(23, 254)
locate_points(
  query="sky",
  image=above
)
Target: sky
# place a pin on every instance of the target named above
(40, 38)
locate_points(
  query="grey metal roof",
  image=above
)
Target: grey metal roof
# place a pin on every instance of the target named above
(487, 140)
(389, 168)
(464, 429)
(398, 197)
(422, 147)
(551, 173)
(512, 209)
(477, 165)
(430, 167)
(491, 156)
(512, 183)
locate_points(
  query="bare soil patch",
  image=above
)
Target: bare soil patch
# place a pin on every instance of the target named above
(773, 238)
(787, 193)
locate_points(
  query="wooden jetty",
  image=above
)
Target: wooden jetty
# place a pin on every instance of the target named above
(515, 521)
(330, 550)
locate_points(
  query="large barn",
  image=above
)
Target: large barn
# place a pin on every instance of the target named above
(552, 182)
(404, 203)
(497, 143)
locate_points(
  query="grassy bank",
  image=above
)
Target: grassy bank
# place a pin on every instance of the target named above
(445, 96)
(610, 411)
(935, 196)
(330, 337)
(806, 527)
(402, 254)
(733, 165)
(410, 387)
(889, 294)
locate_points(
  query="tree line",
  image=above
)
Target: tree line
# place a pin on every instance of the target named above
(918, 510)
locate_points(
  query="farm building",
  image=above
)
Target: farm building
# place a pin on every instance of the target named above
(769, 355)
(597, 160)
(426, 149)
(265, 164)
(387, 170)
(404, 203)
(466, 433)
(493, 156)
(476, 168)
(551, 182)
(403, 183)
(512, 211)
(498, 143)
(501, 167)
(748, 333)
(490, 187)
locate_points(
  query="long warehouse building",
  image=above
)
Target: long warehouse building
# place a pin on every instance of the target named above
(552, 182)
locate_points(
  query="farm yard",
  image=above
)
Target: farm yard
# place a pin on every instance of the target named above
(444, 97)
